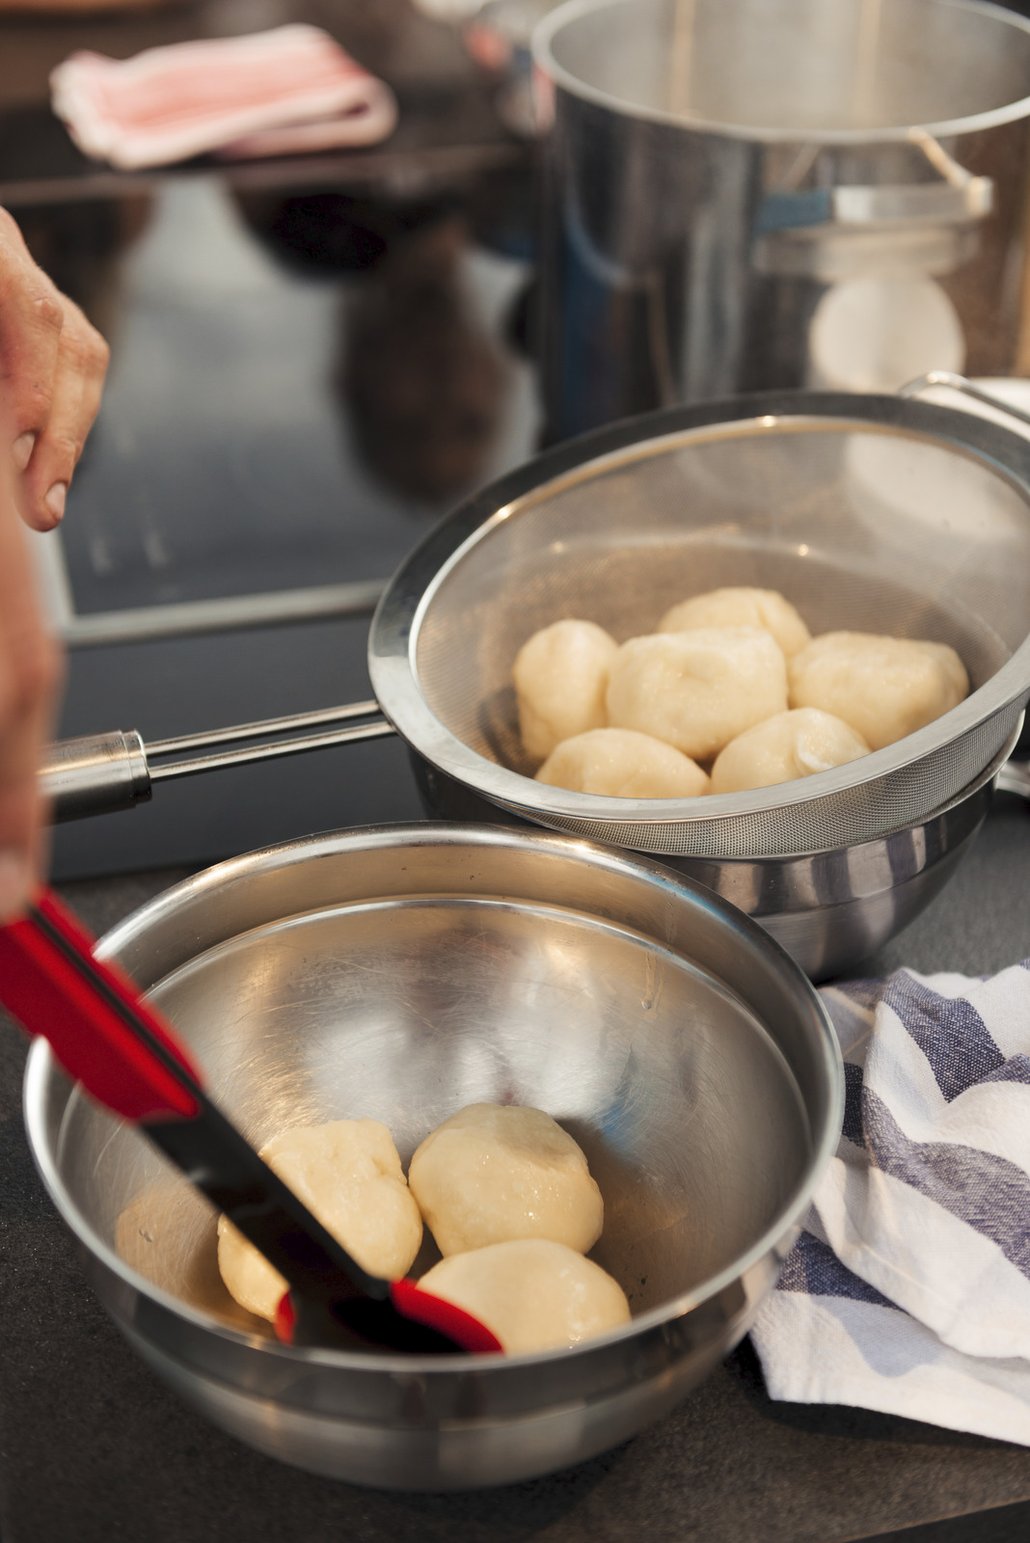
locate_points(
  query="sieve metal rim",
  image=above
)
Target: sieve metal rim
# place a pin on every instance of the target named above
(394, 631)
(989, 773)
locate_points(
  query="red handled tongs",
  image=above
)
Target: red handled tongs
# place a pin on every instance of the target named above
(129, 1059)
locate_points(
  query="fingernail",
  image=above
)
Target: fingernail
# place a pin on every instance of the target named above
(55, 500)
(15, 884)
(22, 450)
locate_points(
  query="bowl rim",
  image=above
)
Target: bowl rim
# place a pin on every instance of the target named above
(42, 1068)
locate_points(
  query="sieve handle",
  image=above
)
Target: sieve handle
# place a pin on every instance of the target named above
(952, 382)
(101, 773)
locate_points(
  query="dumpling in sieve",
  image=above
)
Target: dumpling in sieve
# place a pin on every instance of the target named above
(620, 763)
(697, 690)
(741, 607)
(884, 687)
(796, 743)
(349, 1174)
(561, 675)
(494, 1172)
(534, 1294)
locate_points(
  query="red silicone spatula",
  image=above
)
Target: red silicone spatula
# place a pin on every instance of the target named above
(129, 1059)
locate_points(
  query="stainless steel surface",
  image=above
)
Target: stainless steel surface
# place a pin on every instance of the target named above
(829, 910)
(873, 513)
(99, 774)
(95, 773)
(1015, 778)
(934, 379)
(300, 744)
(289, 724)
(399, 973)
(715, 168)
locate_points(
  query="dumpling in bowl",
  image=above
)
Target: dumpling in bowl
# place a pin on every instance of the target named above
(561, 675)
(796, 743)
(494, 1172)
(349, 1174)
(534, 1294)
(884, 687)
(697, 690)
(620, 763)
(741, 607)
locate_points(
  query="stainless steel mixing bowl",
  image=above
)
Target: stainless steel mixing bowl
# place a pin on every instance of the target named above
(400, 973)
(831, 909)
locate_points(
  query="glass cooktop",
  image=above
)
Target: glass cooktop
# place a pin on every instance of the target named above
(299, 386)
(302, 382)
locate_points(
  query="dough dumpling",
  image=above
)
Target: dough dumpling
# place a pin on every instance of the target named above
(793, 744)
(741, 608)
(349, 1174)
(494, 1172)
(884, 687)
(561, 675)
(620, 763)
(534, 1294)
(697, 690)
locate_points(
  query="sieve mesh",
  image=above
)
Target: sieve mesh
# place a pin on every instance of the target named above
(863, 813)
(863, 526)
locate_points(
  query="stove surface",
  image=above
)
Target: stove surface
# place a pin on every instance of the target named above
(302, 382)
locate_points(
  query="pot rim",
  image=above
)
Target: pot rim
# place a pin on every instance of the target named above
(545, 62)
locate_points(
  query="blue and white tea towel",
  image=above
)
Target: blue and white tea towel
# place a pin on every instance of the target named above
(909, 1290)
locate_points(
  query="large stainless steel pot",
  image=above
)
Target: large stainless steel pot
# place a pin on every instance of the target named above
(398, 974)
(744, 194)
(880, 514)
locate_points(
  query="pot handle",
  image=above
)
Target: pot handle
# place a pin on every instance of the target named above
(101, 773)
(956, 197)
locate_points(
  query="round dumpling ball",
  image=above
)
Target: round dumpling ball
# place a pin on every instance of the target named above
(561, 675)
(494, 1172)
(884, 687)
(697, 690)
(741, 607)
(533, 1294)
(620, 763)
(796, 743)
(349, 1174)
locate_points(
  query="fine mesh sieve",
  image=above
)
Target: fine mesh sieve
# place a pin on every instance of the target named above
(875, 514)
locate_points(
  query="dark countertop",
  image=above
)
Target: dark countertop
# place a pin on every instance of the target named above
(92, 1447)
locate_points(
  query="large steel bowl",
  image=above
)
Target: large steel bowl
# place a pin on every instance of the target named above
(400, 973)
(831, 909)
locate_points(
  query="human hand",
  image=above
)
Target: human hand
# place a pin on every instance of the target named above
(52, 368)
(30, 671)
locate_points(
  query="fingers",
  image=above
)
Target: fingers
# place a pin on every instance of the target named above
(52, 368)
(30, 674)
(75, 399)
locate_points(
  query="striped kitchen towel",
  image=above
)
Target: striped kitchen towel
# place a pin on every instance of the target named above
(290, 90)
(909, 1289)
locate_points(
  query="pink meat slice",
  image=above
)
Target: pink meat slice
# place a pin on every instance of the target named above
(168, 104)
